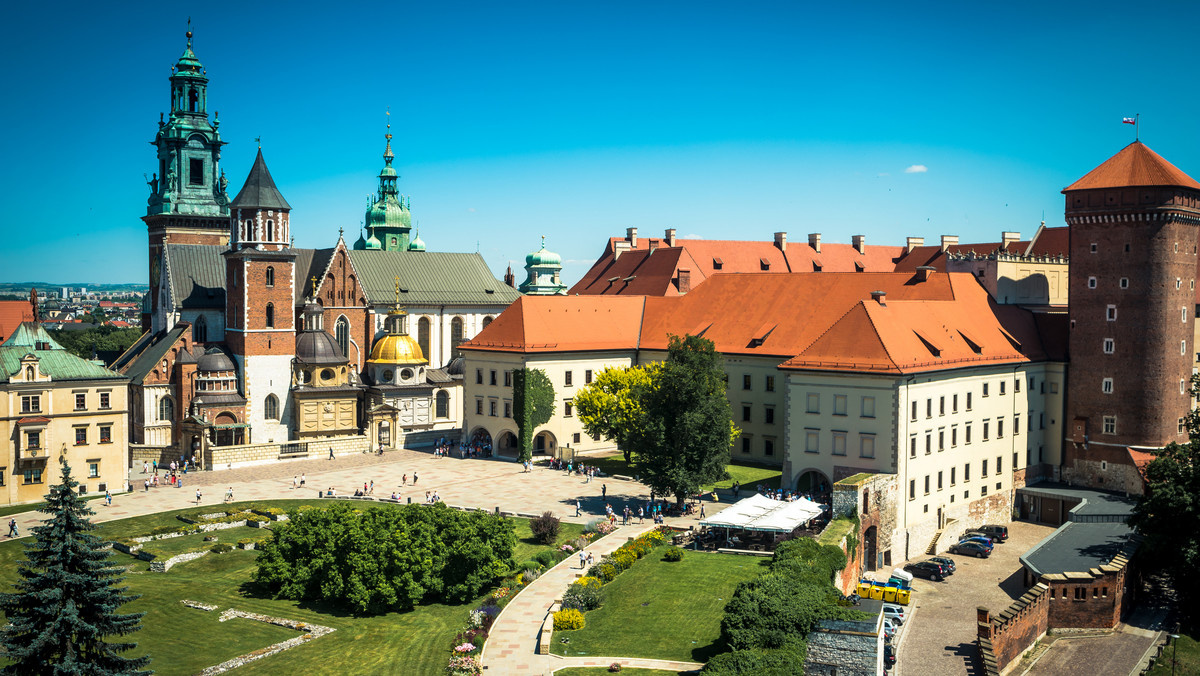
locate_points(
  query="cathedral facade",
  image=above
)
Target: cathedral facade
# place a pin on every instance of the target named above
(252, 340)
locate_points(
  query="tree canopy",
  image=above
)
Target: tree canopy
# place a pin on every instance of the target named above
(533, 405)
(105, 339)
(1164, 514)
(611, 406)
(66, 600)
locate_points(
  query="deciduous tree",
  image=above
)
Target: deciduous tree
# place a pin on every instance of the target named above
(611, 406)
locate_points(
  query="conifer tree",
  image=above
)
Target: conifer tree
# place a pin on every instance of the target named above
(67, 598)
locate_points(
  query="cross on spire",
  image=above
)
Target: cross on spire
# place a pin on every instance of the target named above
(314, 286)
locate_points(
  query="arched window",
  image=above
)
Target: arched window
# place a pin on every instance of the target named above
(193, 101)
(342, 333)
(271, 407)
(423, 337)
(456, 335)
(166, 409)
(443, 404)
(270, 316)
(486, 321)
(270, 275)
(200, 330)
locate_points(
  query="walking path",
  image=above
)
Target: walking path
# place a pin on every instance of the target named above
(512, 643)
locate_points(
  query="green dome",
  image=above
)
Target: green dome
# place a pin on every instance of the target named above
(373, 243)
(543, 257)
(188, 63)
(389, 212)
(416, 244)
(361, 243)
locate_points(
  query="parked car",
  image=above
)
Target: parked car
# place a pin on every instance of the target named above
(889, 628)
(997, 532)
(985, 542)
(945, 561)
(927, 569)
(975, 533)
(889, 656)
(969, 548)
(894, 612)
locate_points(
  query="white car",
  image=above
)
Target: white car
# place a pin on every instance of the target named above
(889, 627)
(894, 612)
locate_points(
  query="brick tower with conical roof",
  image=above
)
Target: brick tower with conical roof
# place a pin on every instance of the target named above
(1133, 226)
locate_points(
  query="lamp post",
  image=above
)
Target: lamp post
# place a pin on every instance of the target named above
(1174, 648)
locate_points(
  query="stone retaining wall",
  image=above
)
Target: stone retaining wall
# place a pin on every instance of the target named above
(230, 457)
(164, 566)
(312, 631)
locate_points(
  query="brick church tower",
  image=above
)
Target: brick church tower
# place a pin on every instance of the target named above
(259, 291)
(1133, 226)
(187, 203)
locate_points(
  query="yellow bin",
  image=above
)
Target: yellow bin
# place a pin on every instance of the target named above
(889, 594)
(902, 596)
(864, 590)
(877, 592)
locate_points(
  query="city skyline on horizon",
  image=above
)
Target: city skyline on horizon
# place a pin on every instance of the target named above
(576, 123)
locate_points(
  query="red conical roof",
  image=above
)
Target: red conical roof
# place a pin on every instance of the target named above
(1134, 165)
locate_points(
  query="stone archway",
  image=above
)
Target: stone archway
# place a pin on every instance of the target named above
(813, 482)
(506, 444)
(544, 442)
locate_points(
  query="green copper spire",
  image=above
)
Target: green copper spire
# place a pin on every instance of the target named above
(388, 219)
(543, 273)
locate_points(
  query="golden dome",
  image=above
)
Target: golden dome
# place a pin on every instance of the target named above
(396, 349)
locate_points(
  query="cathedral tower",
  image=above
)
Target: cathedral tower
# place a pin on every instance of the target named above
(259, 300)
(388, 219)
(1133, 226)
(187, 202)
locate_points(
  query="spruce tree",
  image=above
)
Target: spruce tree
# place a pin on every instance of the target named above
(67, 598)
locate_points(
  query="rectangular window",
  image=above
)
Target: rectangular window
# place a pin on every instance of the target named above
(195, 172)
(983, 468)
(967, 433)
(999, 464)
(568, 409)
(983, 491)
(105, 401)
(33, 476)
(941, 406)
(954, 403)
(968, 401)
(567, 378)
(745, 413)
(105, 434)
(866, 445)
(492, 408)
(745, 444)
(31, 403)
(1015, 463)
(939, 481)
(966, 474)
(587, 377)
(926, 484)
(508, 409)
(34, 439)
(508, 378)
(1180, 426)
(986, 425)
(478, 376)
(914, 411)
(1091, 282)
(813, 403)
(839, 404)
(912, 489)
(912, 446)
(1017, 385)
(1016, 424)
(999, 428)
(954, 436)
(941, 440)
(985, 391)
(928, 443)
(80, 401)
(769, 415)
(746, 381)
(80, 436)
(93, 470)
(575, 437)
(1106, 385)
(768, 447)
(812, 441)
(868, 407)
(952, 475)
(839, 443)
(1111, 313)
(770, 383)
(478, 407)
(1002, 388)
(928, 408)
(492, 381)
(1110, 424)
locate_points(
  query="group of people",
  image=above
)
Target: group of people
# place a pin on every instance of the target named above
(174, 478)
(183, 465)
(587, 471)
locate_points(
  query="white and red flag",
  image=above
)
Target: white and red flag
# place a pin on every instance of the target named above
(1128, 120)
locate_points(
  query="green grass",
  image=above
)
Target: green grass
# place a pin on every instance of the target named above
(747, 474)
(596, 671)
(527, 546)
(184, 640)
(1186, 652)
(662, 610)
(165, 549)
(9, 510)
(835, 531)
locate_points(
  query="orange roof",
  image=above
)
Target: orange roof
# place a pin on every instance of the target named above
(564, 324)
(653, 267)
(1050, 242)
(12, 313)
(1140, 460)
(934, 257)
(1134, 165)
(909, 336)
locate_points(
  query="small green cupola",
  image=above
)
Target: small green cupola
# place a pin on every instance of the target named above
(543, 274)
(361, 242)
(416, 244)
(388, 217)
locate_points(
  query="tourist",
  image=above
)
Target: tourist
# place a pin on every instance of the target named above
(331, 452)
(603, 491)
(414, 478)
(108, 498)
(197, 496)
(301, 481)
(293, 483)
(428, 498)
(582, 560)
(578, 507)
(701, 510)
(12, 528)
(372, 491)
(404, 480)
(229, 495)
(147, 485)
(640, 515)
(145, 467)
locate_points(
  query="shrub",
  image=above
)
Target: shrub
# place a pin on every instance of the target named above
(531, 565)
(758, 662)
(244, 541)
(593, 526)
(673, 554)
(588, 581)
(464, 665)
(568, 620)
(606, 527)
(623, 559)
(529, 576)
(614, 667)
(583, 596)
(579, 543)
(607, 572)
(547, 558)
(545, 528)
(220, 548)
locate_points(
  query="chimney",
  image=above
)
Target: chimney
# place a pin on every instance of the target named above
(983, 622)
(1009, 237)
(912, 243)
(631, 237)
(949, 241)
(781, 240)
(923, 272)
(670, 237)
(685, 281)
(814, 240)
(879, 297)
(860, 243)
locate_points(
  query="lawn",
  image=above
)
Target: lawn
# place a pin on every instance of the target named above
(1186, 652)
(662, 610)
(748, 475)
(184, 640)
(597, 671)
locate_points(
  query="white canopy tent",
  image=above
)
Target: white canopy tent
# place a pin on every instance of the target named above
(761, 513)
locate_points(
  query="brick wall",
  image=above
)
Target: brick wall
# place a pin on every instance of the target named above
(1092, 599)
(873, 499)
(1102, 467)
(1004, 638)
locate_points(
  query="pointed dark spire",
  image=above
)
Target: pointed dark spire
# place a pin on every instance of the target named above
(259, 190)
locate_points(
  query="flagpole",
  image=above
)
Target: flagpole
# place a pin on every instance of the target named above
(1137, 132)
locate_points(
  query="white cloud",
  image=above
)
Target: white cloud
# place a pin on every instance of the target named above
(471, 210)
(882, 174)
(916, 169)
(691, 236)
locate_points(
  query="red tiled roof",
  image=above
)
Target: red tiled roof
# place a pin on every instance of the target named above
(1134, 165)
(653, 267)
(564, 324)
(934, 257)
(1050, 242)
(1140, 460)
(12, 313)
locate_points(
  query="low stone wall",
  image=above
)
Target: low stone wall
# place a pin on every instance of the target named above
(230, 457)
(841, 648)
(162, 454)
(164, 566)
(311, 631)
(1004, 638)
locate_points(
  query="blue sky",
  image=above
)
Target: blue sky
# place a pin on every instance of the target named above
(576, 120)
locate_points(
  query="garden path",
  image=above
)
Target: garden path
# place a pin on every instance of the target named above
(511, 648)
